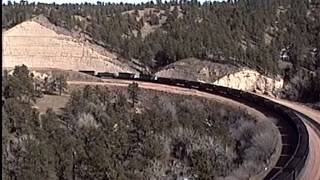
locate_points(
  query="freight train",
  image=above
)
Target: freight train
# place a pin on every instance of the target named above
(145, 77)
(294, 135)
(210, 88)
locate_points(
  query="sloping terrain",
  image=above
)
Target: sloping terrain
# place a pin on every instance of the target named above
(151, 18)
(250, 80)
(224, 75)
(151, 36)
(196, 69)
(39, 44)
(295, 87)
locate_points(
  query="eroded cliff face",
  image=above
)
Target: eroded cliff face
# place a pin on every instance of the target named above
(38, 44)
(250, 80)
(301, 85)
(224, 75)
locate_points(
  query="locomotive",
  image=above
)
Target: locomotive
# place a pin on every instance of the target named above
(144, 77)
(295, 137)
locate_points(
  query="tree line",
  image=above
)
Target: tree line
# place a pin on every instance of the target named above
(128, 134)
(233, 30)
(253, 33)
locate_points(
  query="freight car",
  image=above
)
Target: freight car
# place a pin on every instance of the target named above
(146, 77)
(163, 80)
(106, 75)
(295, 138)
(194, 84)
(125, 75)
(91, 73)
(181, 83)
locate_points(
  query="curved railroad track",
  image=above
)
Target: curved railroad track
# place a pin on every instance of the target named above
(311, 118)
(294, 162)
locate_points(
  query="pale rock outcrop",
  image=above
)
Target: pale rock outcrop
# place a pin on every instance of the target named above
(40, 76)
(38, 44)
(224, 75)
(36, 75)
(250, 80)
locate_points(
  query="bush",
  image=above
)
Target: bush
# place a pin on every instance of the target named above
(99, 136)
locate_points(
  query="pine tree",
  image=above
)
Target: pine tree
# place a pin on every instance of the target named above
(20, 85)
(133, 89)
(61, 84)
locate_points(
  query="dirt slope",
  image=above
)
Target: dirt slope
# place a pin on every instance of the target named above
(222, 74)
(39, 44)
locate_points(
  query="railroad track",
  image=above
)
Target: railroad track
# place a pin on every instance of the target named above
(294, 134)
(312, 167)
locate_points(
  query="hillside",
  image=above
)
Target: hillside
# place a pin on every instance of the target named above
(39, 44)
(278, 39)
(151, 19)
(102, 133)
(228, 75)
(197, 70)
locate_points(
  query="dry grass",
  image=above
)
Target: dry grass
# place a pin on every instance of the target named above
(51, 101)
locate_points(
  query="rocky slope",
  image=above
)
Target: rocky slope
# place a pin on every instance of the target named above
(195, 69)
(151, 18)
(301, 85)
(250, 80)
(39, 44)
(223, 75)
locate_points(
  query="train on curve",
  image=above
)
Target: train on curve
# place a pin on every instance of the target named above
(294, 135)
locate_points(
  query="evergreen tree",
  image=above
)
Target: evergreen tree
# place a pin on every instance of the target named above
(133, 89)
(20, 85)
(61, 83)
